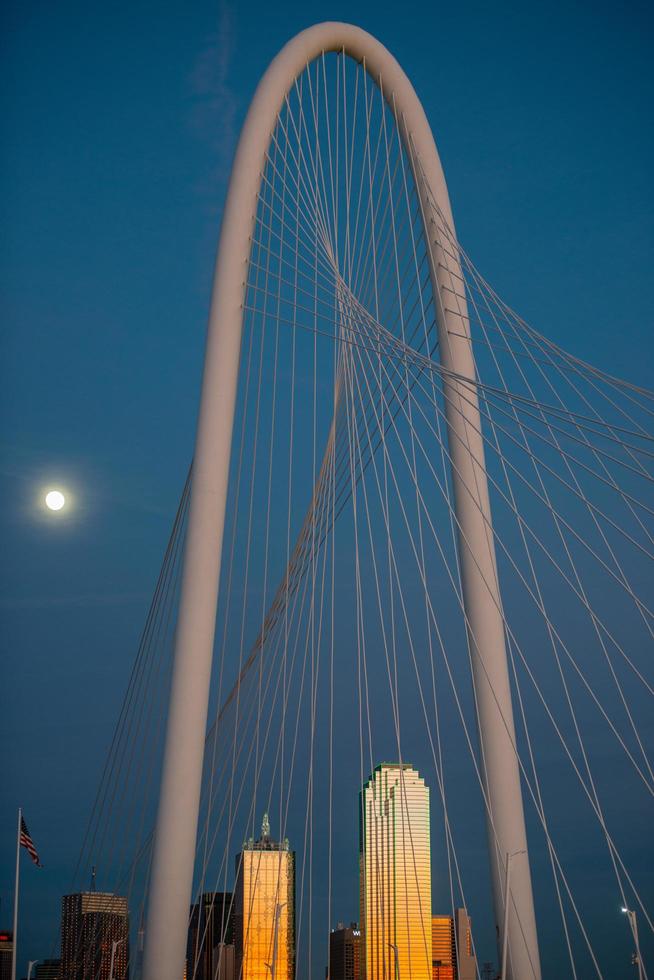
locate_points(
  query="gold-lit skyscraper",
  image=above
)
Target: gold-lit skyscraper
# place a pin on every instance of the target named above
(453, 958)
(395, 875)
(443, 946)
(264, 915)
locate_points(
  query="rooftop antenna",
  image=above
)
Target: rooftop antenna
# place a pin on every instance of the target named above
(93, 878)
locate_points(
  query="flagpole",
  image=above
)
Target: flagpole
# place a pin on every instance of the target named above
(15, 936)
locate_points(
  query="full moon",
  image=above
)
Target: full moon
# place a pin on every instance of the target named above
(54, 500)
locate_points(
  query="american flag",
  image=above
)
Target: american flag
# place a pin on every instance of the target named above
(27, 842)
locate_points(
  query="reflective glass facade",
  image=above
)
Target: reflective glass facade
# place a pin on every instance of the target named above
(443, 949)
(451, 940)
(264, 921)
(395, 875)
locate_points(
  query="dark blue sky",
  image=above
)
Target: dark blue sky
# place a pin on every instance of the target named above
(119, 125)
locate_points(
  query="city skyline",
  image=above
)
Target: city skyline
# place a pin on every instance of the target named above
(364, 652)
(239, 935)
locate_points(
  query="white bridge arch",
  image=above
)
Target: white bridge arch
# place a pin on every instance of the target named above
(172, 868)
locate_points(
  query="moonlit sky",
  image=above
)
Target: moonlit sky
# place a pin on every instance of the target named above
(120, 121)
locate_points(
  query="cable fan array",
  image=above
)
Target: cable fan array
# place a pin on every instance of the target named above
(342, 637)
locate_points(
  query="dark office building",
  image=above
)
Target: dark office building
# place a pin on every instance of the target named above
(94, 925)
(47, 970)
(344, 952)
(6, 952)
(210, 942)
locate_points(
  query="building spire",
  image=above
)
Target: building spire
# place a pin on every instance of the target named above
(93, 878)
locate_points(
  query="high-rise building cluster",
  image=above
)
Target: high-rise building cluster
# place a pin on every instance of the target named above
(94, 941)
(249, 934)
(210, 943)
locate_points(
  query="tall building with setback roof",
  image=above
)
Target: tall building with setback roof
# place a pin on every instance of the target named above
(395, 874)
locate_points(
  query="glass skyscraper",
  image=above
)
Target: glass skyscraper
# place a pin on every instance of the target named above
(209, 947)
(395, 875)
(443, 946)
(453, 958)
(264, 914)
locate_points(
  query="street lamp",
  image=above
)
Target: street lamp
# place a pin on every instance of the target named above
(273, 966)
(224, 969)
(114, 946)
(30, 964)
(635, 959)
(396, 958)
(507, 903)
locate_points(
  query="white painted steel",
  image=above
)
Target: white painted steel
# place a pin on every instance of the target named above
(507, 909)
(14, 948)
(173, 859)
(637, 958)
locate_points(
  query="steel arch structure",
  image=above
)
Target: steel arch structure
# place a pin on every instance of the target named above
(173, 859)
